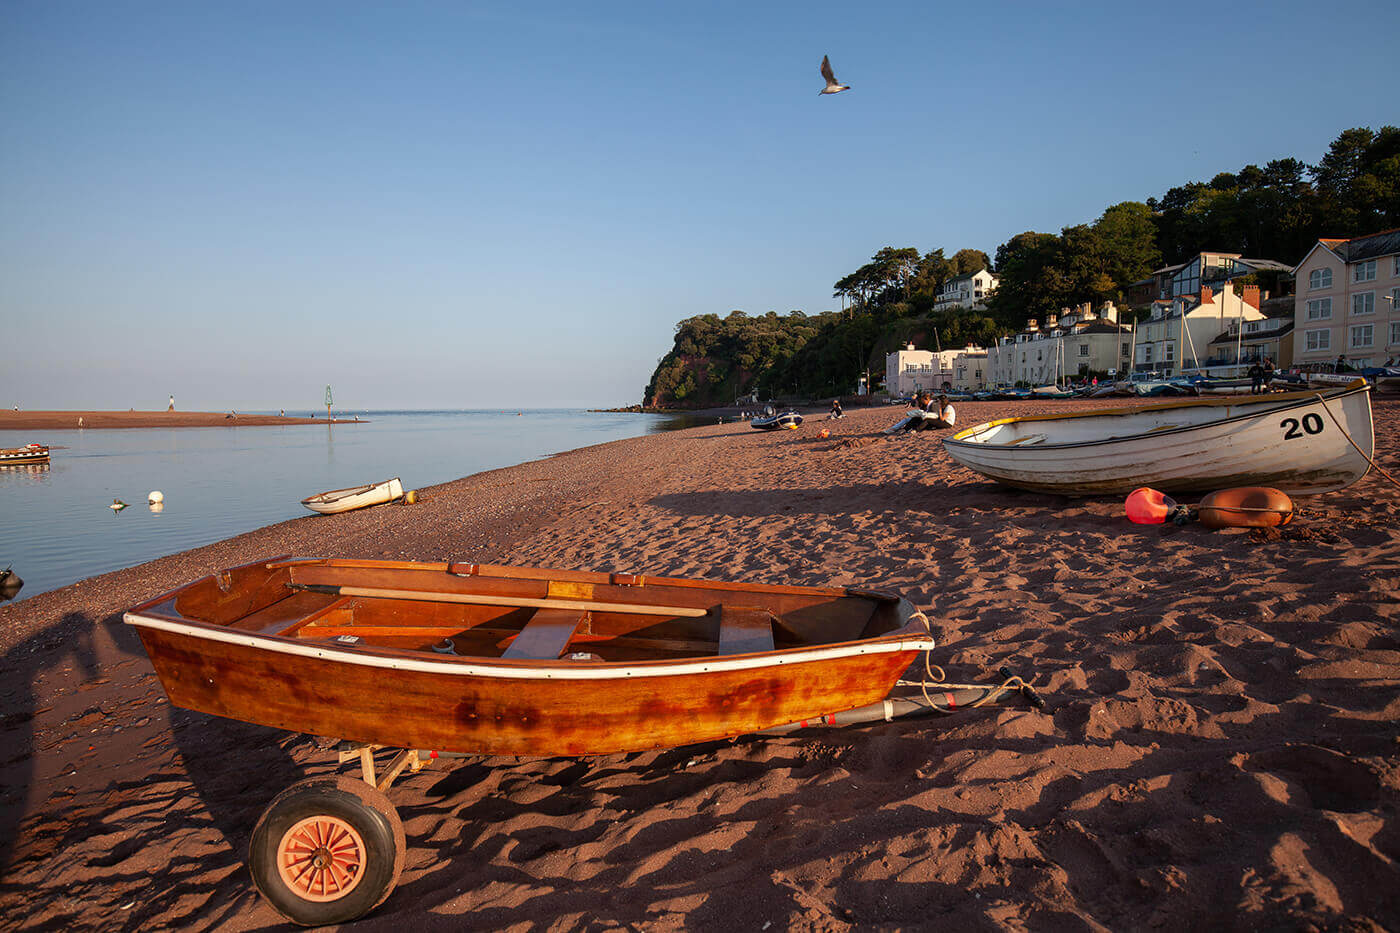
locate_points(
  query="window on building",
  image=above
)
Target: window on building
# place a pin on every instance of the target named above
(1364, 271)
(1363, 335)
(1396, 270)
(979, 374)
(1363, 303)
(1320, 278)
(1318, 340)
(1394, 332)
(1319, 309)
(1083, 349)
(1252, 327)
(1147, 353)
(1125, 350)
(1168, 352)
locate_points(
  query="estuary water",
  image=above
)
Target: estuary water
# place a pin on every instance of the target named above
(56, 526)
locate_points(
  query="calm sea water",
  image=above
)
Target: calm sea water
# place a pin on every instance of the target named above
(56, 526)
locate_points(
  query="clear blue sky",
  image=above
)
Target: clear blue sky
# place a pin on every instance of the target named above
(500, 204)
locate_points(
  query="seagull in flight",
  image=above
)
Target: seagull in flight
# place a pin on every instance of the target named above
(831, 86)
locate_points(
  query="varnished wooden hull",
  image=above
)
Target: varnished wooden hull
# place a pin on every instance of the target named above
(505, 706)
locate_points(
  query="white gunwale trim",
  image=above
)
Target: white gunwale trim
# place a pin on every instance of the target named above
(531, 672)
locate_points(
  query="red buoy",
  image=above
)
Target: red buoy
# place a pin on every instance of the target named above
(1246, 507)
(1149, 507)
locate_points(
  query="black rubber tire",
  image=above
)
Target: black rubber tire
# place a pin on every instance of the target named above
(348, 799)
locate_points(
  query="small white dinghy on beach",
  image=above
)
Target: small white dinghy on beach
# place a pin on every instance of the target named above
(356, 497)
(1301, 442)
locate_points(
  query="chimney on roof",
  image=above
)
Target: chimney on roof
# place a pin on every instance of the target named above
(1251, 295)
(1031, 324)
(1051, 320)
(1206, 294)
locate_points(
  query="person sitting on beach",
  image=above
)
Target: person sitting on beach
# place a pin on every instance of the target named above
(1256, 378)
(1268, 374)
(947, 416)
(836, 411)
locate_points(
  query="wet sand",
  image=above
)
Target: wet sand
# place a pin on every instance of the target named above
(1221, 745)
(61, 420)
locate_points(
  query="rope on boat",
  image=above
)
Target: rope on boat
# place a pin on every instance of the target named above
(1369, 458)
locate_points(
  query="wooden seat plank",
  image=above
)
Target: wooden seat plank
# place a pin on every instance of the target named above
(546, 635)
(745, 631)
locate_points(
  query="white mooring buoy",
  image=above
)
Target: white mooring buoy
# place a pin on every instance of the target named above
(155, 496)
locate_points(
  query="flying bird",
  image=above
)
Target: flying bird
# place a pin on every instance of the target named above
(831, 86)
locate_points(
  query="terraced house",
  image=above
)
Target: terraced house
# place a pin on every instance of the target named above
(1345, 306)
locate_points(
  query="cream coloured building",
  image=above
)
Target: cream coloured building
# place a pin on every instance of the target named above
(910, 371)
(1347, 292)
(1178, 333)
(1073, 344)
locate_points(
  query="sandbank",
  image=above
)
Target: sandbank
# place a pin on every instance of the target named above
(58, 420)
(1221, 746)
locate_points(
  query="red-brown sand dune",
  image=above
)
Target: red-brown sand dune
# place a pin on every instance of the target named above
(1221, 746)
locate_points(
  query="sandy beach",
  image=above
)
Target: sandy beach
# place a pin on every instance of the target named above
(1221, 747)
(11, 420)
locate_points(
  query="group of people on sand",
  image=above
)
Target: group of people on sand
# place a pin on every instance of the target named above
(1260, 374)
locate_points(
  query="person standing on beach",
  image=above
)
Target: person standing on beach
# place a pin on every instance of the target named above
(172, 403)
(1268, 375)
(1256, 378)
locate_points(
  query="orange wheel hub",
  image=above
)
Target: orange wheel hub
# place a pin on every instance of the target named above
(321, 858)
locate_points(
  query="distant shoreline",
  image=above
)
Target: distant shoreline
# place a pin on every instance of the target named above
(65, 420)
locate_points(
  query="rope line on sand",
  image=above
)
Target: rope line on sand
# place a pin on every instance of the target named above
(938, 682)
(1369, 458)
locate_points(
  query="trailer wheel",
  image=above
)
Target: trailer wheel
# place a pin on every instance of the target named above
(327, 850)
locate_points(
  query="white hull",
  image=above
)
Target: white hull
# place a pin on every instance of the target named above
(1289, 442)
(356, 497)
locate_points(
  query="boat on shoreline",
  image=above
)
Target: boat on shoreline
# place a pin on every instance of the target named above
(499, 660)
(356, 497)
(788, 419)
(23, 456)
(1302, 443)
(449, 660)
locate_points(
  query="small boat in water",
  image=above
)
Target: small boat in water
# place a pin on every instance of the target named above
(29, 453)
(356, 497)
(788, 419)
(1301, 443)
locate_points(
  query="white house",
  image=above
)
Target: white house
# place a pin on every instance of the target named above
(1072, 344)
(910, 371)
(1346, 301)
(1178, 333)
(967, 291)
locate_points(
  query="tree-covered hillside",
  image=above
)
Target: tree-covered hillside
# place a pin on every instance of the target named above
(1274, 212)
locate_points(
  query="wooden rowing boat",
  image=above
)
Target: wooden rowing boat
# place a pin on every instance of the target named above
(516, 661)
(29, 453)
(1301, 443)
(356, 497)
